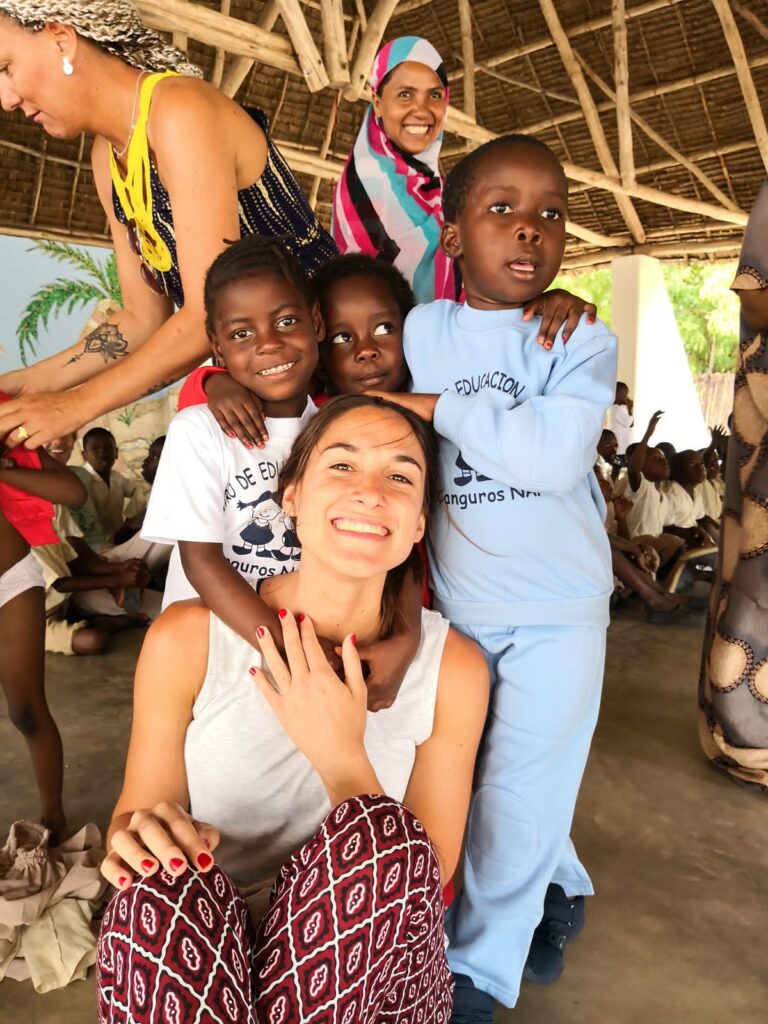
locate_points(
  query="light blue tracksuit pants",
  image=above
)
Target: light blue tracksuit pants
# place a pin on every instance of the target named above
(545, 697)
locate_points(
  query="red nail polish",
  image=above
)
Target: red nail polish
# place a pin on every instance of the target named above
(231, 433)
(548, 345)
(282, 613)
(353, 638)
(591, 319)
(122, 881)
(300, 617)
(204, 860)
(251, 671)
(147, 865)
(260, 631)
(248, 444)
(175, 863)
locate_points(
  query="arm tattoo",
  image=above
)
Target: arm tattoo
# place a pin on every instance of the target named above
(106, 340)
(159, 386)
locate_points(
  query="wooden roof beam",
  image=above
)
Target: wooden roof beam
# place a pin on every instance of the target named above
(748, 90)
(335, 42)
(668, 250)
(650, 93)
(621, 79)
(240, 67)
(591, 116)
(751, 17)
(468, 58)
(216, 29)
(677, 156)
(304, 47)
(373, 33)
(583, 28)
(217, 72)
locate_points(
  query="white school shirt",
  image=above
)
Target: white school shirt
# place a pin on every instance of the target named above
(621, 422)
(210, 488)
(648, 515)
(682, 509)
(711, 499)
(109, 499)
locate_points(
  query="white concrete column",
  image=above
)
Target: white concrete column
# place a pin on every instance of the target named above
(652, 359)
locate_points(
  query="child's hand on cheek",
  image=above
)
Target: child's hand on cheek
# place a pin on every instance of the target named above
(557, 308)
(422, 405)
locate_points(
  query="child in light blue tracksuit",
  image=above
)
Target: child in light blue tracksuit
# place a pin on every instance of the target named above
(519, 556)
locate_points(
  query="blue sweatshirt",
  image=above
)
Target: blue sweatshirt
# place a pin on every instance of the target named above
(518, 537)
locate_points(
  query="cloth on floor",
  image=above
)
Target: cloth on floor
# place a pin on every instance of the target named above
(47, 899)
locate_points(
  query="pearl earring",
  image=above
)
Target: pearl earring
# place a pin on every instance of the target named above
(66, 66)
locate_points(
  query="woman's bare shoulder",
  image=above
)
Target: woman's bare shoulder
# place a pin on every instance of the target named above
(464, 676)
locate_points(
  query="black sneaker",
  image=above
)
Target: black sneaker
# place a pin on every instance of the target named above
(470, 1005)
(562, 921)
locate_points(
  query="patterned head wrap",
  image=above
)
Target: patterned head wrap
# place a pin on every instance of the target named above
(114, 25)
(388, 203)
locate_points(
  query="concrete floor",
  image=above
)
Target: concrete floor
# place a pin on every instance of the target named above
(677, 852)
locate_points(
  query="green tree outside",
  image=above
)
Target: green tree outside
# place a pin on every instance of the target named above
(706, 310)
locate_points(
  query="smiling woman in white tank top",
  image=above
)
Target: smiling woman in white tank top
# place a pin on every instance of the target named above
(271, 764)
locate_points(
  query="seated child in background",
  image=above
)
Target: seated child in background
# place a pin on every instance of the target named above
(647, 470)
(109, 491)
(713, 487)
(518, 555)
(29, 482)
(607, 463)
(635, 565)
(100, 582)
(217, 496)
(686, 516)
(136, 506)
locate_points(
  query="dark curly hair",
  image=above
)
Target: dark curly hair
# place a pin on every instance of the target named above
(249, 257)
(356, 264)
(461, 175)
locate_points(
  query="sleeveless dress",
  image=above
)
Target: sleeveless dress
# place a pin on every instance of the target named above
(274, 205)
(247, 779)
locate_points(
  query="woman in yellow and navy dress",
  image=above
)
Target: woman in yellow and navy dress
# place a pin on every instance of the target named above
(179, 168)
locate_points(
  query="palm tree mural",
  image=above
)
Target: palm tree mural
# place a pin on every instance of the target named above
(100, 285)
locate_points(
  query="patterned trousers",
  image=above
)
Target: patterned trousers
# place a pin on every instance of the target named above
(353, 935)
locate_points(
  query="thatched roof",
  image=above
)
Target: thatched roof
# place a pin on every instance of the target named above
(655, 106)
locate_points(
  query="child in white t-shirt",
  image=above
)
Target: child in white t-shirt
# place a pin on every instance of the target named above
(214, 497)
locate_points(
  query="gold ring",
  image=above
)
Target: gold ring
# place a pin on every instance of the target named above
(22, 432)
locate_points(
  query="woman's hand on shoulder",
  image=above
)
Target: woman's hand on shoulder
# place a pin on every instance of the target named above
(558, 308)
(164, 837)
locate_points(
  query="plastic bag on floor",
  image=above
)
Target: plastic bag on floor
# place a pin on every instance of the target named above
(47, 899)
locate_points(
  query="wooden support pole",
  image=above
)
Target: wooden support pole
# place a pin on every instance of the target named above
(370, 42)
(468, 58)
(591, 116)
(750, 17)
(334, 42)
(218, 61)
(240, 67)
(650, 93)
(216, 29)
(324, 147)
(57, 235)
(180, 40)
(583, 28)
(621, 78)
(677, 156)
(307, 53)
(748, 90)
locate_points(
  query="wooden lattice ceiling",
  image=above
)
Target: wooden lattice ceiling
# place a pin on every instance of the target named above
(657, 108)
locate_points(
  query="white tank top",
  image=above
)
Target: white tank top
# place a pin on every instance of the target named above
(248, 780)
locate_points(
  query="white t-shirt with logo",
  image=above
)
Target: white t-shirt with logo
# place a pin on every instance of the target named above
(210, 488)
